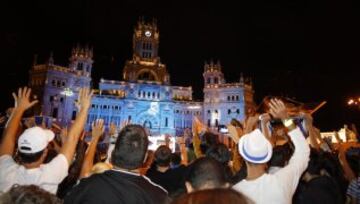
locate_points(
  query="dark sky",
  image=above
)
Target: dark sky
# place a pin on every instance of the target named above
(308, 50)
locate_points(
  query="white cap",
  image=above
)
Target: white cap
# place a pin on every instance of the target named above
(255, 148)
(34, 140)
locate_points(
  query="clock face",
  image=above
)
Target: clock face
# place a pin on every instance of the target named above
(147, 33)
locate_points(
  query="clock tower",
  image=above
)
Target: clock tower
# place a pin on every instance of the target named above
(145, 64)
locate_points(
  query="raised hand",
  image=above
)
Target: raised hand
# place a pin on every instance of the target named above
(112, 129)
(250, 123)
(97, 129)
(22, 99)
(278, 109)
(84, 99)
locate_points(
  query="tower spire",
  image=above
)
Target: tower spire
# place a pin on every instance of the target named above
(241, 79)
(51, 58)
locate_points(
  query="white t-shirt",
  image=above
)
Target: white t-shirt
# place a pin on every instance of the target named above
(47, 176)
(279, 187)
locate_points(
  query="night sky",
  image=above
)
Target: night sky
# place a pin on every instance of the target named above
(306, 50)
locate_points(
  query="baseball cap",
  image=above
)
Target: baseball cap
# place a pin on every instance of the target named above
(34, 140)
(255, 148)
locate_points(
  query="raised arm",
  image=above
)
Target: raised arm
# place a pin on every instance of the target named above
(290, 174)
(22, 103)
(69, 145)
(96, 133)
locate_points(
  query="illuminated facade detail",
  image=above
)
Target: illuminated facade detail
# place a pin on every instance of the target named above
(145, 96)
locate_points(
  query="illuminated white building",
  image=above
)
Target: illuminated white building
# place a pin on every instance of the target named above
(145, 95)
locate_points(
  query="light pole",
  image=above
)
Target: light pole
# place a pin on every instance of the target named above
(66, 92)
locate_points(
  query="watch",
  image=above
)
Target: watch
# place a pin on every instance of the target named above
(289, 124)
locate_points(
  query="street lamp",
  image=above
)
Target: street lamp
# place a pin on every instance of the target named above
(66, 92)
(354, 102)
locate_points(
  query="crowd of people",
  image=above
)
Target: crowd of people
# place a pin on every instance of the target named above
(270, 157)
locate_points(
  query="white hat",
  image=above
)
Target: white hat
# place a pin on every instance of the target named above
(34, 140)
(255, 148)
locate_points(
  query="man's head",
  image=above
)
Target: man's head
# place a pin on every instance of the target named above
(281, 155)
(130, 147)
(255, 148)
(163, 156)
(32, 144)
(205, 173)
(28, 194)
(220, 153)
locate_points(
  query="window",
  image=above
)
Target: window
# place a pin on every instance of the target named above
(58, 83)
(228, 98)
(139, 94)
(216, 80)
(143, 94)
(80, 66)
(216, 111)
(55, 113)
(158, 95)
(51, 98)
(208, 80)
(229, 111)
(53, 82)
(209, 123)
(237, 97)
(232, 98)
(153, 94)
(63, 83)
(88, 68)
(144, 46)
(129, 118)
(216, 122)
(166, 122)
(148, 94)
(73, 116)
(238, 111)
(209, 111)
(61, 99)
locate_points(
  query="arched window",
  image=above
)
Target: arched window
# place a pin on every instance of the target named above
(229, 111)
(153, 94)
(228, 98)
(166, 122)
(238, 111)
(148, 94)
(143, 94)
(80, 66)
(216, 80)
(232, 98)
(158, 95)
(237, 97)
(146, 76)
